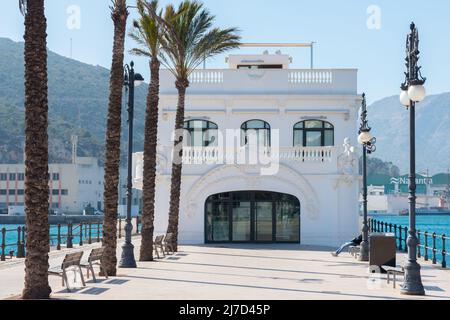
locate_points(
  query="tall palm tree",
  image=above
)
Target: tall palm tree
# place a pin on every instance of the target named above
(36, 151)
(188, 39)
(119, 15)
(146, 33)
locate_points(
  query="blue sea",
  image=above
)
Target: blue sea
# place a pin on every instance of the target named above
(438, 224)
(12, 234)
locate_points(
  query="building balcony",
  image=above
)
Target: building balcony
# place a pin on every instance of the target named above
(217, 155)
(265, 81)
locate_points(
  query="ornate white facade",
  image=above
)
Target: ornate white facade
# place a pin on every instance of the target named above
(318, 168)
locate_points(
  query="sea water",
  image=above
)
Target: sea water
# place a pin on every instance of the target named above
(12, 234)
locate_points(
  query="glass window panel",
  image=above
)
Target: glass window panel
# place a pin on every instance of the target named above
(313, 138)
(299, 125)
(298, 138)
(287, 221)
(241, 221)
(217, 221)
(329, 138)
(263, 219)
(328, 125)
(314, 124)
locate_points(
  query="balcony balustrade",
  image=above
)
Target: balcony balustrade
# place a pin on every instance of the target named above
(217, 155)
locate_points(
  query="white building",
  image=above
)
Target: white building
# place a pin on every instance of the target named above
(306, 189)
(73, 186)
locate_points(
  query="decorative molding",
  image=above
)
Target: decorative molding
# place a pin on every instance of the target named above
(251, 111)
(221, 175)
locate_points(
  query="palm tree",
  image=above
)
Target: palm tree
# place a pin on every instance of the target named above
(146, 33)
(119, 15)
(36, 151)
(188, 39)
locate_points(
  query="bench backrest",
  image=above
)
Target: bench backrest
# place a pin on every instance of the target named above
(159, 239)
(169, 238)
(96, 254)
(72, 259)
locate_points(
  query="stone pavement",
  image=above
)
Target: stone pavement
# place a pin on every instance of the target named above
(248, 272)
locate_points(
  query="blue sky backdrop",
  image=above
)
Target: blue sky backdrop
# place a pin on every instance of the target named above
(338, 26)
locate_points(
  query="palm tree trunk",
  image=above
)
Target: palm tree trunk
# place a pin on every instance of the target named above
(149, 175)
(111, 180)
(175, 188)
(36, 153)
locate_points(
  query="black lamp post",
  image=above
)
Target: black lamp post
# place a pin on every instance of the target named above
(412, 91)
(368, 143)
(130, 81)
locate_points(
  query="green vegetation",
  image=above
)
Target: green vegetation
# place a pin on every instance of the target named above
(78, 101)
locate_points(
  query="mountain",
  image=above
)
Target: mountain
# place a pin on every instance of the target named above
(390, 124)
(78, 104)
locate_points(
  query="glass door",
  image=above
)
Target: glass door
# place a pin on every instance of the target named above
(241, 215)
(263, 221)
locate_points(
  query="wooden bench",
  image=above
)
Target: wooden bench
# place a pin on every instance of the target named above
(95, 257)
(168, 245)
(70, 260)
(158, 244)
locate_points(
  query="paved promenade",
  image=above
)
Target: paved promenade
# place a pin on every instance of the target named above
(238, 272)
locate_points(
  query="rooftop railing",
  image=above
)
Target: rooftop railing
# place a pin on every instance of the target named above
(266, 81)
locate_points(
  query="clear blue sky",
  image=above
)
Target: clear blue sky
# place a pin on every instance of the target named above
(338, 26)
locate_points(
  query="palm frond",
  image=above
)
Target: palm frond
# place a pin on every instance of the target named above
(23, 6)
(187, 37)
(146, 30)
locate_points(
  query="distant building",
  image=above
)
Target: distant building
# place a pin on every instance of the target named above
(73, 186)
(389, 195)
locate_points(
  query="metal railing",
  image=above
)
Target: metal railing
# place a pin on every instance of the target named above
(428, 242)
(60, 235)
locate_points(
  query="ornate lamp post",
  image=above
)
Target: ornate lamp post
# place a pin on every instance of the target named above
(368, 143)
(130, 81)
(412, 91)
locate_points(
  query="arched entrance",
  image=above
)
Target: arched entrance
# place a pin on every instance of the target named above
(252, 216)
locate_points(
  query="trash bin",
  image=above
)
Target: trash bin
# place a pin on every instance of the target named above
(383, 250)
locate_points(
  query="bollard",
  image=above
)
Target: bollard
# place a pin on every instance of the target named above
(98, 231)
(400, 240)
(58, 237)
(69, 243)
(378, 226)
(20, 244)
(425, 256)
(120, 228)
(81, 234)
(418, 243)
(2, 256)
(390, 227)
(90, 233)
(434, 248)
(444, 253)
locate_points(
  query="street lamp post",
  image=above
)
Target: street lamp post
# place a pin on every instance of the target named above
(131, 80)
(368, 143)
(412, 92)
